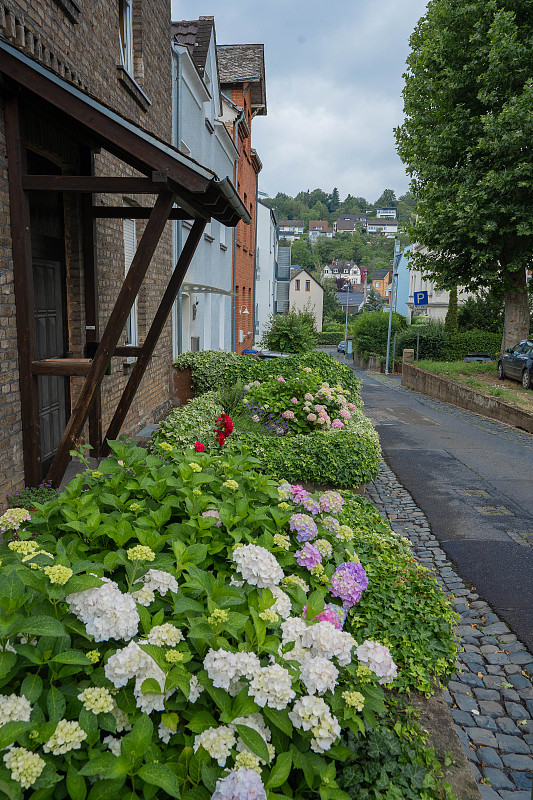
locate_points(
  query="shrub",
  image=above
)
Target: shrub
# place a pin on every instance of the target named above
(28, 497)
(333, 327)
(291, 332)
(192, 423)
(473, 341)
(330, 337)
(432, 340)
(370, 332)
(208, 368)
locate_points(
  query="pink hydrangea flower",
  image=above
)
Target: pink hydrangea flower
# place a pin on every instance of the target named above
(329, 615)
(294, 400)
(311, 417)
(308, 396)
(337, 424)
(344, 413)
(319, 408)
(309, 556)
(288, 414)
(299, 493)
(281, 379)
(331, 502)
(351, 406)
(213, 513)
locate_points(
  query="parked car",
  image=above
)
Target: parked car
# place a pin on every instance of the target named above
(272, 354)
(479, 357)
(517, 363)
(341, 347)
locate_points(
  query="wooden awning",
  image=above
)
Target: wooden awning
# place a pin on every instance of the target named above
(175, 180)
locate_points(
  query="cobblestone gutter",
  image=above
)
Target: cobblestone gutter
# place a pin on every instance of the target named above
(490, 697)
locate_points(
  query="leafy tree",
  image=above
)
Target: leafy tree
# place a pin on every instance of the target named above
(292, 332)
(370, 331)
(484, 313)
(450, 323)
(301, 254)
(466, 141)
(387, 199)
(374, 301)
(329, 306)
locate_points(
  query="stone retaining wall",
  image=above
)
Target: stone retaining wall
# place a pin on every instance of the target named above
(462, 396)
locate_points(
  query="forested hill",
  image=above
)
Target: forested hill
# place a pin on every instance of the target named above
(319, 205)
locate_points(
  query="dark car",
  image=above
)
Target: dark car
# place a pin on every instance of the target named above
(479, 357)
(517, 363)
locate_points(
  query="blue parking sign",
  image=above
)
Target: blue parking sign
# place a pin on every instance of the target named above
(421, 298)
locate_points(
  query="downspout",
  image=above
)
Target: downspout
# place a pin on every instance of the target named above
(255, 257)
(177, 237)
(234, 286)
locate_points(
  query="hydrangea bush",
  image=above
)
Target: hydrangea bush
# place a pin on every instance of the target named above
(142, 655)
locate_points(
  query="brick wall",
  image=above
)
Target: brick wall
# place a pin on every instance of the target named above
(86, 52)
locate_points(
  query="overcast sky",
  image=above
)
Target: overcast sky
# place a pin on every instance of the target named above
(333, 83)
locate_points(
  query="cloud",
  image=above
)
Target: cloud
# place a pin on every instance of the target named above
(334, 82)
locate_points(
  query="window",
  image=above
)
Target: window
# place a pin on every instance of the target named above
(297, 285)
(126, 34)
(378, 284)
(130, 246)
(308, 286)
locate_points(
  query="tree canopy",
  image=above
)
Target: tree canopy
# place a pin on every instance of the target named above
(466, 141)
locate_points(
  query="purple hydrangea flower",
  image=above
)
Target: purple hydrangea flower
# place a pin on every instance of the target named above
(308, 556)
(331, 502)
(299, 493)
(304, 526)
(331, 524)
(313, 506)
(356, 570)
(347, 588)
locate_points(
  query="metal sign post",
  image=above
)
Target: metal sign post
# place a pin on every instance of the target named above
(395, 265)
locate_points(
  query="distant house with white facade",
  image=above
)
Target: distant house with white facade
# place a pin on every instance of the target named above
(343, 269)
(306, 293)
(266, 267)
(202, 315)
(386, 213)
(319, 227)
(348, 223)
(438, 299)
(290, 229)
(384, 227)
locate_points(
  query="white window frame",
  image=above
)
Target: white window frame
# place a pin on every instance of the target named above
(130, 246)
(126, 34)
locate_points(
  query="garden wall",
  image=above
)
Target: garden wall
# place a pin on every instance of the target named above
(472, 400)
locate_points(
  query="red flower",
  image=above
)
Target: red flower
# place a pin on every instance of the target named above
(219, 436)
(199, 447)
(225, 423)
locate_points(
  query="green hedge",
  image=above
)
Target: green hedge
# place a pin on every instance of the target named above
(432, 341)
(474, 341)
(210, 370)
(329, 337)
(333, 327)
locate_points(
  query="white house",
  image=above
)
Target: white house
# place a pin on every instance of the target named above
(265, 269)
(388, 228)
(202, 315)
(290, 229)
(386, 213)
(317, 228)
(306, 293)
(438, 299)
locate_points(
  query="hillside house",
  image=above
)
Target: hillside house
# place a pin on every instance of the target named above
(319, 228)
(290, 229)
(305, 293)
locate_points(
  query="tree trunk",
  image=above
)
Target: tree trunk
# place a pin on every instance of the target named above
(516, 324)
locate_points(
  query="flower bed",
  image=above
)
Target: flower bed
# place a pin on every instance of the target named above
(175, 627)
(311, 402)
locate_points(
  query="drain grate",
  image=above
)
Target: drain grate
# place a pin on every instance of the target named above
(495, 511)
(473, 492)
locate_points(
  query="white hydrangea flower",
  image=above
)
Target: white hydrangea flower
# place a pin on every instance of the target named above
(378, 658)
(282, 604)
(105, 612)
(323, 639)
(256, 722)
(224, 667)
(113, 744)
(14, 709)
(25, 766)
(258, 566)
(195, 689)
(292, 629)
(240, 784)
(165, 635)
(247, 759)
(157, 580)
(67, 736)
(143, 596)
(97, 699)
(313, 714)
(217, 742)
(133, 662)
(151, 701)
(319, 675)
(121, 719)
(271, 686)
(164, 733)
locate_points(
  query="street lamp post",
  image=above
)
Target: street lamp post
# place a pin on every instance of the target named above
(395, 265)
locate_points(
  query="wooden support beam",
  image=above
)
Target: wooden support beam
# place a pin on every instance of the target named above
(154, 333)
(134, 212)
(111, 335)
(127, 351)
(61, 366)
(89, 184)
(23, 278)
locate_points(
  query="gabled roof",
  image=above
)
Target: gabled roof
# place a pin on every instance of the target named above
(195, 35)
(379, 273)
(318, 224)
(244, 63)
(291, 223)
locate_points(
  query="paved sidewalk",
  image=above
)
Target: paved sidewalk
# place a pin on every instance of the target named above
(491, 694)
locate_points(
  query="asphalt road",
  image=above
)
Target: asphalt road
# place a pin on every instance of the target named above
(472, 478)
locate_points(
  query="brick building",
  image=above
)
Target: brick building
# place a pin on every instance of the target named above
(242, 79)
(89, 181)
